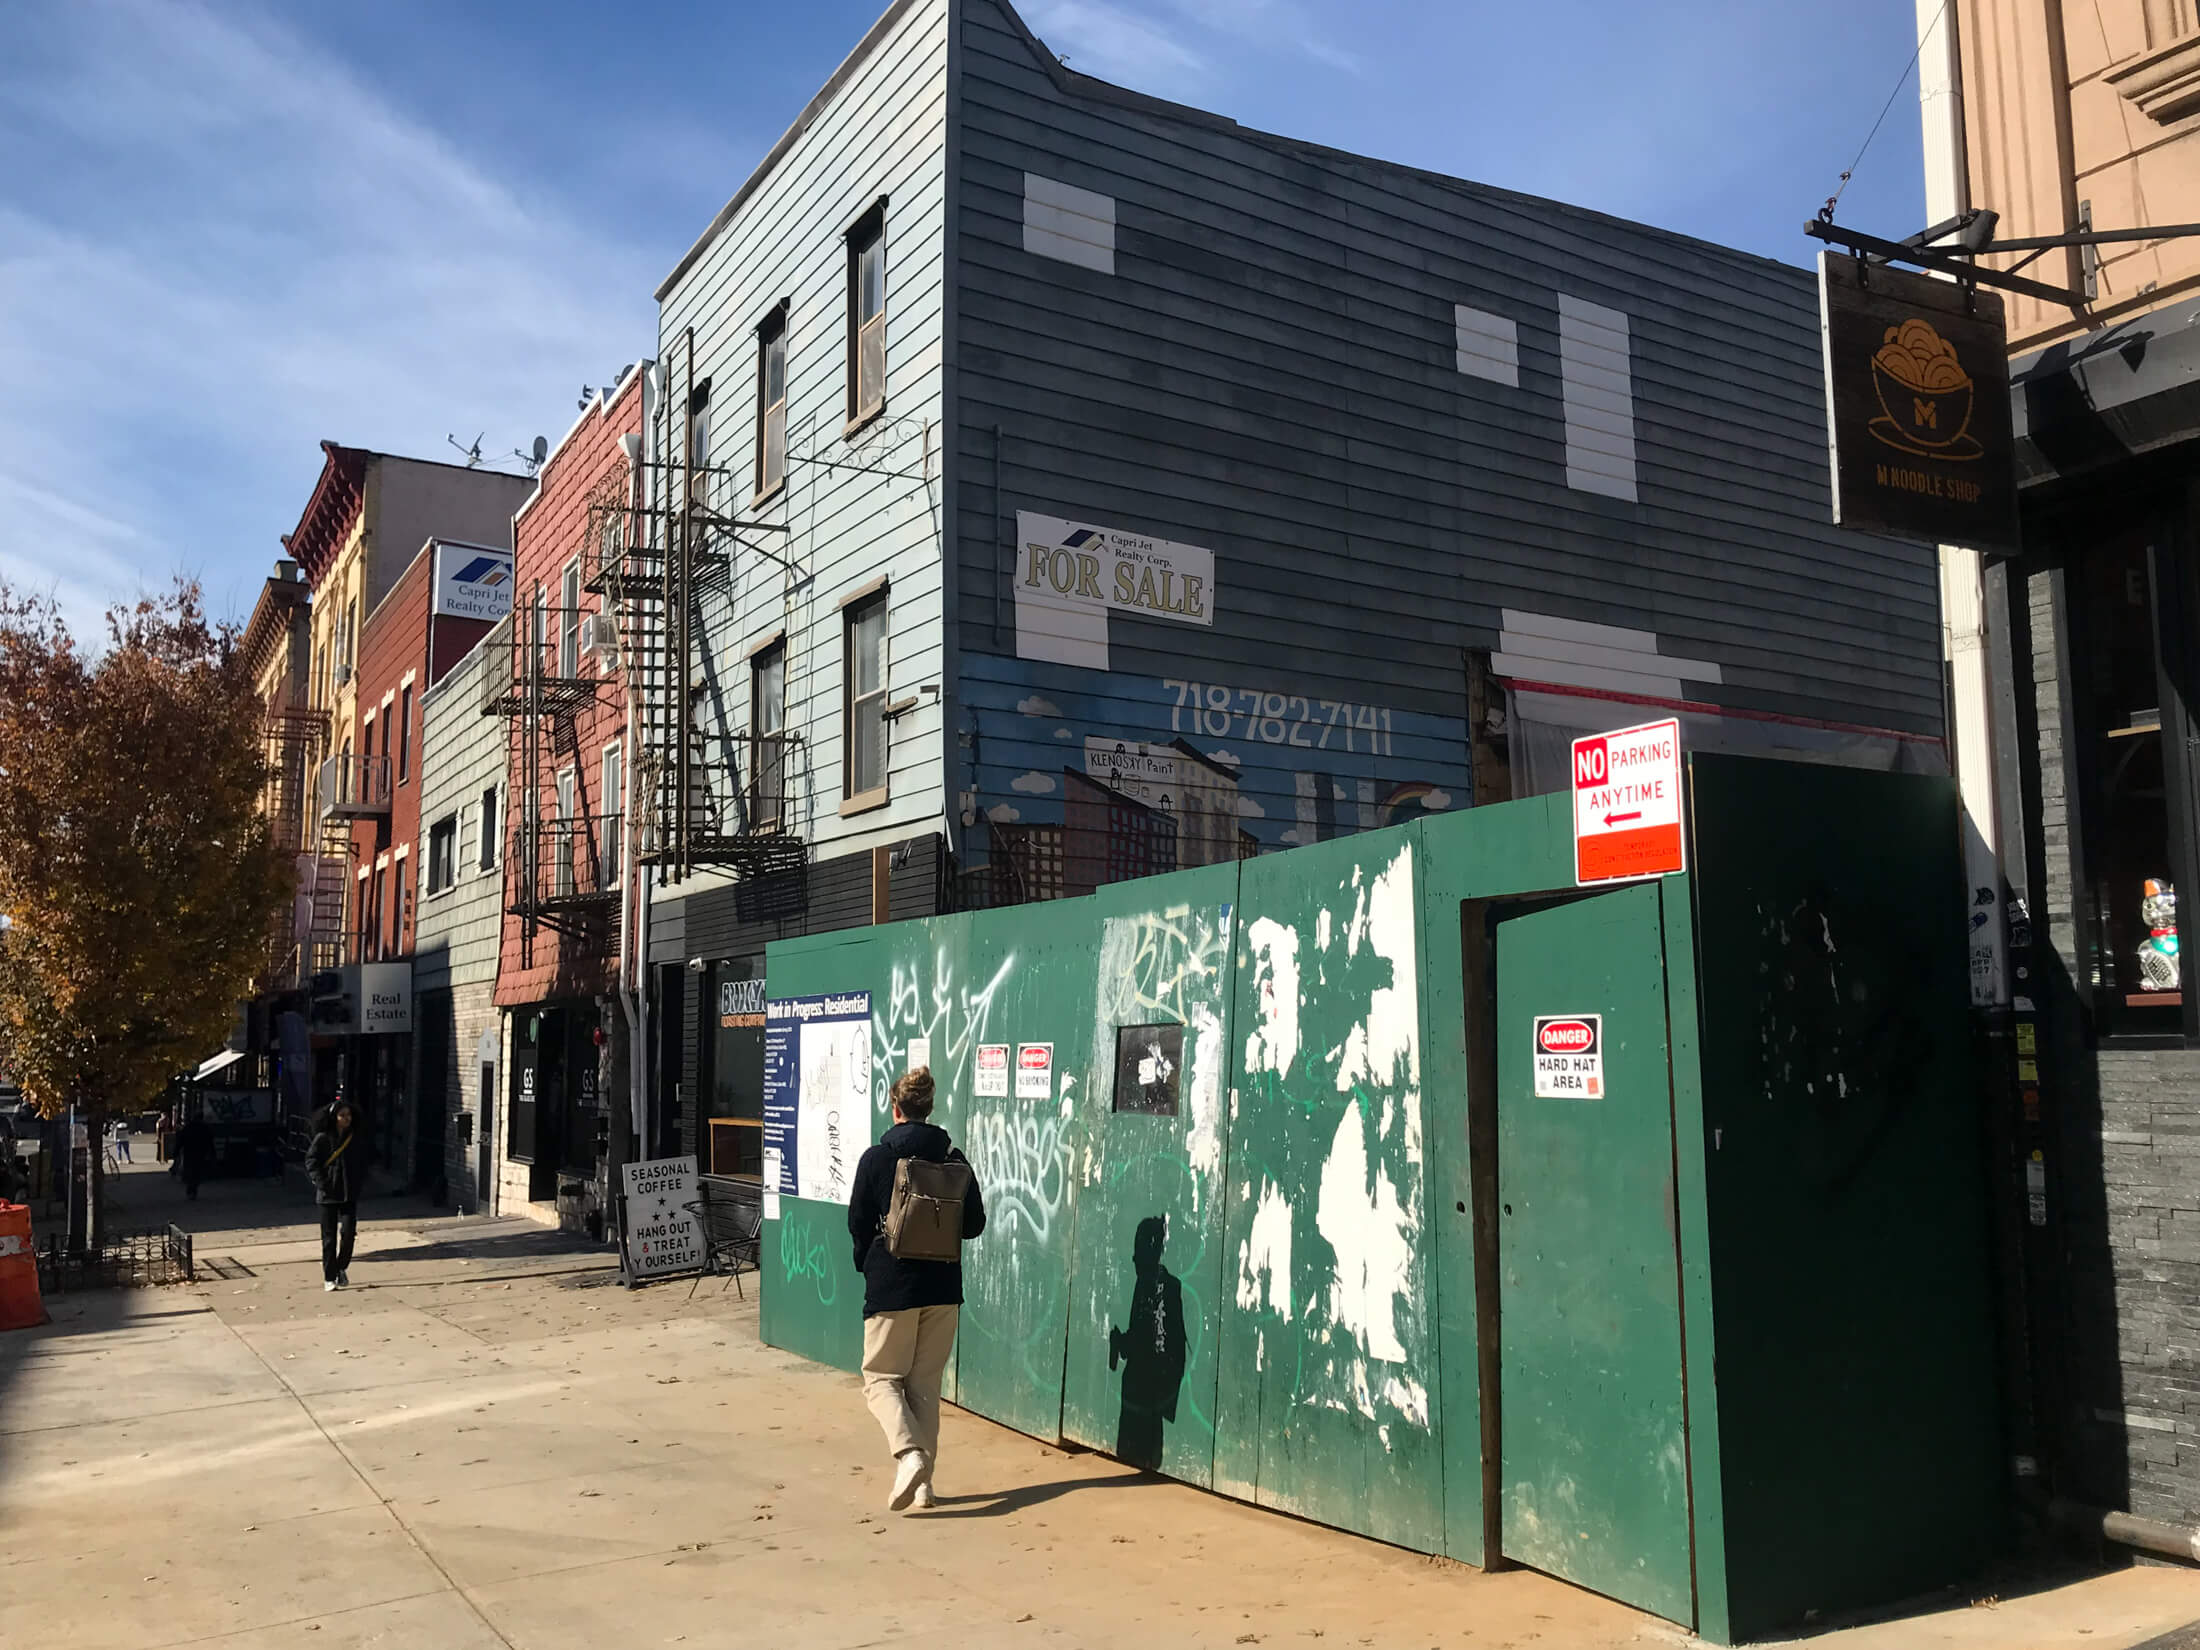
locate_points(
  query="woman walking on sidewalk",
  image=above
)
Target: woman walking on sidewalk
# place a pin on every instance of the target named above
(334, 1163)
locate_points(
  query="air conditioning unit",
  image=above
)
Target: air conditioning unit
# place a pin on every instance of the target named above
(600, 636)
(343, 674)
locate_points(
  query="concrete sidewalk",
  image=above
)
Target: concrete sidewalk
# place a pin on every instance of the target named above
(486, 1443)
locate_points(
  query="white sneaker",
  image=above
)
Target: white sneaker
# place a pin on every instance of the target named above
(909, 1475)
(925, 1498)
(329, 1288)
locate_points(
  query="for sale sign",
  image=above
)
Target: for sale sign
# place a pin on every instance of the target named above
(1627, 804)
(1569, 1056)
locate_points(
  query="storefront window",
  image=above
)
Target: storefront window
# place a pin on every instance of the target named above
(2124, 806)
(734, 1019)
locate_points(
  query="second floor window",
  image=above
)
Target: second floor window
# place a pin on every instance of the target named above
(490, 825)
(442, 854)
(404, 735)
(610, 802)
(767, 727)
(698, 446)
(569, 621)
(867, 316)
(771, 402)
(863, 761)
(397, 906)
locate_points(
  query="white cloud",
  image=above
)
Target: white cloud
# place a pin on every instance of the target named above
(1037, 706)
(1229, 759)
(1064, 733)
(1003, 813)
(1299, 835)
(1249, 809)
(1033, 783)
(232, 247)
(1436, 801)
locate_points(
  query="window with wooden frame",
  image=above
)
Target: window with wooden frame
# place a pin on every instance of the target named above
(442, 853)
(569, 620)
(771, 403)
(863, 699)
(562, 833)
(404, 734)
(867, 317)
(610, 811)
(767, 733)
(698, 446)
(491, 823)
(397, 904)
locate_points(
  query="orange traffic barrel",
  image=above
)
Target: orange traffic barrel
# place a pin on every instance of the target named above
(20, 1307)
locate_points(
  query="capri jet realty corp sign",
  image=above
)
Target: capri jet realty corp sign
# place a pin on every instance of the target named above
(1627, 804)
(1070, 576)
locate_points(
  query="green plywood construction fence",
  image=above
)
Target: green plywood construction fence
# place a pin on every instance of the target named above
(1245, 1229)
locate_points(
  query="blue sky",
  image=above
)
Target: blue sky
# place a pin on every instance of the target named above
(229, 229)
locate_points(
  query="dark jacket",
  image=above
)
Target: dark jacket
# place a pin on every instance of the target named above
(891, 1285)
(335, 1162)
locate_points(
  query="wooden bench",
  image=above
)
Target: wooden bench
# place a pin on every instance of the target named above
(731, 1214)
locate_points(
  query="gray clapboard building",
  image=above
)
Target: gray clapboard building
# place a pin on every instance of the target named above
(459, 928)
(1104, 487)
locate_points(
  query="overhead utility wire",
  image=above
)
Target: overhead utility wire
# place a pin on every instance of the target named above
(1901, 80)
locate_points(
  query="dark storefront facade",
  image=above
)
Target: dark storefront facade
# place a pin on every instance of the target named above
(707, 987)
(2098, 752)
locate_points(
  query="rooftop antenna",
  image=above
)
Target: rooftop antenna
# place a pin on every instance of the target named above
(473, 453)
(588, 394)
(533, 460)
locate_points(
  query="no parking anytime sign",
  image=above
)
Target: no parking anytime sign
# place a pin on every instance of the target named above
(1569, 1056)
(1627, 804)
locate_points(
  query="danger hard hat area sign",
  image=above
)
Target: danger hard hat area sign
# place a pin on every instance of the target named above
(1569, 1056)
(1627, 804)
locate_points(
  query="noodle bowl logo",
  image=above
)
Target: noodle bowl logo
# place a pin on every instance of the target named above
(1925, 396)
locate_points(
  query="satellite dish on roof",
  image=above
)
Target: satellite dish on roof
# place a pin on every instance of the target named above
(542, 448)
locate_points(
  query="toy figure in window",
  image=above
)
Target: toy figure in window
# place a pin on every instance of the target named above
(2158, 951)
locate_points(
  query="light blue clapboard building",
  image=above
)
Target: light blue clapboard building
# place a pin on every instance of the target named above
(1089, 485)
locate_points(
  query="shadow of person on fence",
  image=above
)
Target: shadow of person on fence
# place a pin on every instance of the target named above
(1149, 1350)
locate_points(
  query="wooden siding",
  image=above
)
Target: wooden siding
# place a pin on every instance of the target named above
(461, 755)
(857, 506)
(1366, 390)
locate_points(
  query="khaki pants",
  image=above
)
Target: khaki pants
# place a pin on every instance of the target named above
(904, 1355)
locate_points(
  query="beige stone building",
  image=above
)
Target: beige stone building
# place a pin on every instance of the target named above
(2086, 114)
(2071, 117)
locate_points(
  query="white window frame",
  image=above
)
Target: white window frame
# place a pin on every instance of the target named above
(866, 334)
(771, 415)
(853, 703)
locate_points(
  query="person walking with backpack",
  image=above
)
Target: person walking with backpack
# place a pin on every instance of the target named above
(334, 1163)
(915, 1202)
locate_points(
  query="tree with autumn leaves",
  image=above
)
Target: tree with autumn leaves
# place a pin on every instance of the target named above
(136, 870)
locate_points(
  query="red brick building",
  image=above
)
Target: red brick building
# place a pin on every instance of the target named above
(569, 865)
(406, 645)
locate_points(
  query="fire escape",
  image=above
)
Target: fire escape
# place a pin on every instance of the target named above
(292, 735)
(567, 842)
(350, 788)
(654, 561)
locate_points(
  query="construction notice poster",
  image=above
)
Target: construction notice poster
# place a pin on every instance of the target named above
(662, 1234)
(817, 1092)
(1627, 804)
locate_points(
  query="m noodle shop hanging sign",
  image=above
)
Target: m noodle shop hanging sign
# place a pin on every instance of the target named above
(1917, 405)
(1627, 804)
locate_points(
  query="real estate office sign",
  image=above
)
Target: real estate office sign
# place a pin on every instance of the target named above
(1917, 405)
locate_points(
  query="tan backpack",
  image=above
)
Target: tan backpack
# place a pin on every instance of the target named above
(924, 1216)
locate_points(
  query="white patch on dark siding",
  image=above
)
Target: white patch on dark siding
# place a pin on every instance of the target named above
(1488, 345)
(1075, 225)
(1600, 398)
